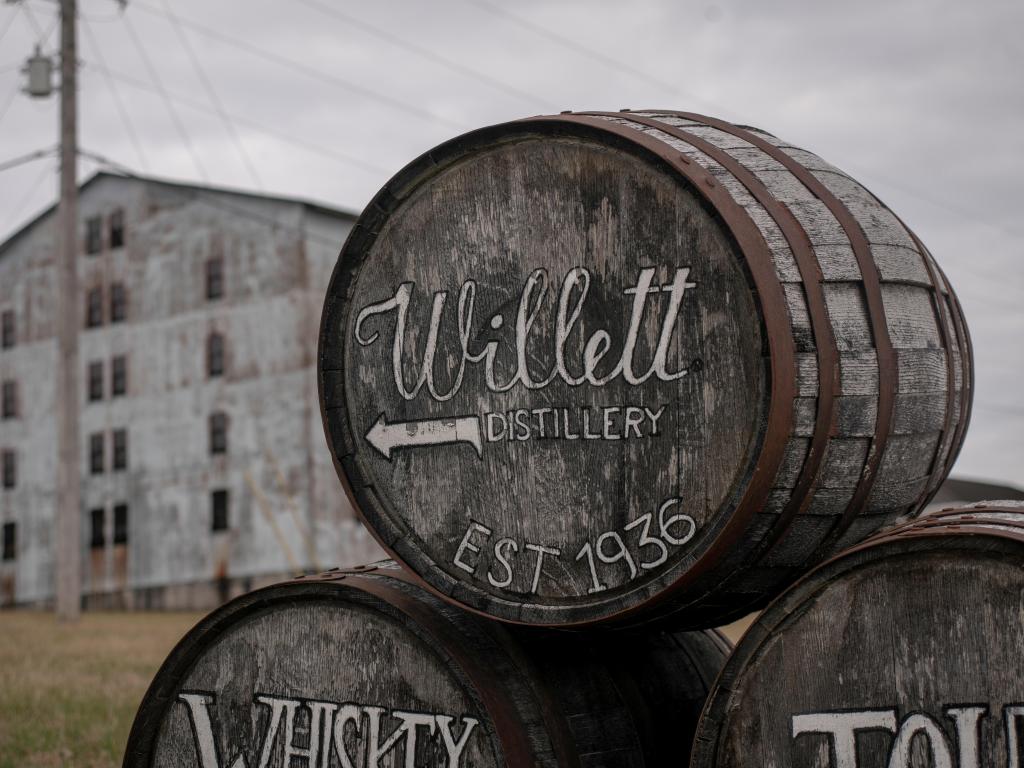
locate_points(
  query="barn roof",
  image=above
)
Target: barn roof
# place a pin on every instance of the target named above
(186, 186)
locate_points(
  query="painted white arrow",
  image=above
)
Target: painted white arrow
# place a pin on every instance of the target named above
(414, 434)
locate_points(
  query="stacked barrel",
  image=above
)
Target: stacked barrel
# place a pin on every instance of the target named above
(902, 651)
(600, 382)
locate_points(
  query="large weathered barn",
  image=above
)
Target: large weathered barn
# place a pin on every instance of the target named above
(204, 466)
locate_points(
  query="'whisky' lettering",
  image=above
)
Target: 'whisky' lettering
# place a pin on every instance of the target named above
(314, 731)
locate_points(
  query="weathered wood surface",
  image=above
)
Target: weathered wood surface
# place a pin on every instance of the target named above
(901, 652)
(364, 668)
(545, 339)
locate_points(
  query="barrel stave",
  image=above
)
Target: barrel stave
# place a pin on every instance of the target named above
(918, 419)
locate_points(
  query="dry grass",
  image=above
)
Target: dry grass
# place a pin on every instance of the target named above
(68, 693)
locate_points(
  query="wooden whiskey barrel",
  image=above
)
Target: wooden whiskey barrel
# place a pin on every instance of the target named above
(902, 651)
(613, 366)
(364, 668)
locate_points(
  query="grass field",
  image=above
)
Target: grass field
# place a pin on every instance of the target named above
(68, 693)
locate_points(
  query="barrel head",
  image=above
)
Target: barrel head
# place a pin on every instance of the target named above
(320, 676)
(367, 668)
(543, 372)
(902, 652)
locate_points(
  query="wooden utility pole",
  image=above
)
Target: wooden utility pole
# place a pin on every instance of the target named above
(67, 391)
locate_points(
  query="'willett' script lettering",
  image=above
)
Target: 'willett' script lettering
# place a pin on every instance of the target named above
(324, 727)
(571, 300)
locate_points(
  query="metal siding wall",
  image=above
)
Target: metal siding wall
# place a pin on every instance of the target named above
(277, 466)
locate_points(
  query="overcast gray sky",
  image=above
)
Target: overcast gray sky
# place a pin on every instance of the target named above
(922, 101)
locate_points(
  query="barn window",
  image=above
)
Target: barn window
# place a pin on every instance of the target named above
(118, 303)
(94, 234)
(117, 229)
(118, 375)
(10, 468)
(96, 538)
(95, 381)
(9, 408)
(10, 541)
(120, 523)
(94, 307)
(219, 510)
(120, 449)
(214, 278)
(218, 433)
(7, 335)
(96, 453)
(215, 354)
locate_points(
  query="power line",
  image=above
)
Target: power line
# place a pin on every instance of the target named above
(246, 160)
(170, 107)
(108, 19)
(304, 69)
(7, 104)
(969, 295)
(31, 16)
(426, 53)
(7, 25)
(212, 199)
(283, 136)
(42, 37)
(29, 195)
(352, 160)
(613, 63)
(973, 269)
(27, 158)
(128, 125)
(944, 205)
(963, 288)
